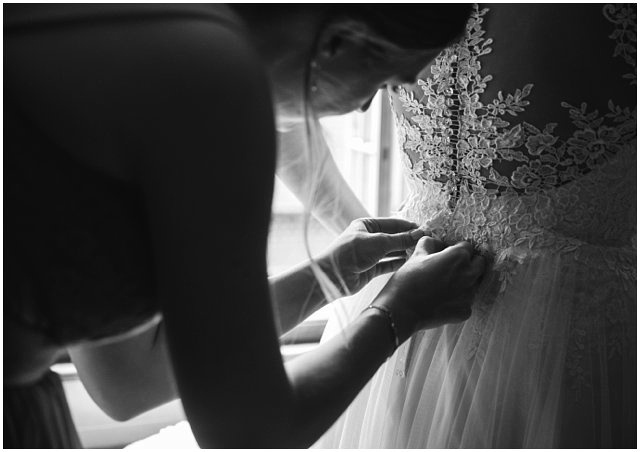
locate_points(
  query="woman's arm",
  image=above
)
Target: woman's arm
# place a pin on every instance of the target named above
(133, 374)
(336, 205)
(129, 376)
(352, 261)
(295, 295)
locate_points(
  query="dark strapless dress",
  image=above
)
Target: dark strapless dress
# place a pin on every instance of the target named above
(77, 259)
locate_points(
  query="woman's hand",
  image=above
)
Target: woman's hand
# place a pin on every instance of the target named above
(354, 258)
(434, 287)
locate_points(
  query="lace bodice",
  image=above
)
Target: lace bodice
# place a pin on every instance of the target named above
(519, 190)
(480, 174)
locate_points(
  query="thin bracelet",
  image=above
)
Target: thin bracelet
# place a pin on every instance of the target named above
(392, 324)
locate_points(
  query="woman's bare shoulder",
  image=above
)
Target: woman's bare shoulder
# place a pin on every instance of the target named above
(123, 80)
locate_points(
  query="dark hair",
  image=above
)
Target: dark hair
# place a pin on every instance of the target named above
(409, 26)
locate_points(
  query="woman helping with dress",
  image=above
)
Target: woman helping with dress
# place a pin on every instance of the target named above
(520, 138)
(123, 123)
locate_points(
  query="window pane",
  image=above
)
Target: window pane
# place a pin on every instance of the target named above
(286, 240)
(354, 140)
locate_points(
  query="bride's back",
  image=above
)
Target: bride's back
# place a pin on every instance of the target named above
(531, 113)
(565, 51)
(522, 139)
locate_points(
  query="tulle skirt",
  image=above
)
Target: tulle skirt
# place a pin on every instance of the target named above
(548, 359)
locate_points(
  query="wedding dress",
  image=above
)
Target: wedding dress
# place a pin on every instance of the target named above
(544, 186)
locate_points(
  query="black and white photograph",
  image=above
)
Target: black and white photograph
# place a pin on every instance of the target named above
(319, 225)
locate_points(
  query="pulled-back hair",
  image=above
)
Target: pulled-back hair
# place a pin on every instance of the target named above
(408, 26)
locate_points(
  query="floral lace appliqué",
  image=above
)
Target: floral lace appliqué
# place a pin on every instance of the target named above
(455, 143)
(574, 195)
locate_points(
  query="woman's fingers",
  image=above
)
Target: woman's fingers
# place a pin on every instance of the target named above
(463, 299)
(471, 265)
(477, 267)
(387, 225)
(466, 246)
(400, 241)
(430, 245)
(387, 266)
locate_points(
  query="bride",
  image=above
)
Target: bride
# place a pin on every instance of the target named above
(522, 139)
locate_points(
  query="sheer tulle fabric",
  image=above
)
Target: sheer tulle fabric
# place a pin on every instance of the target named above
(501, 379)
